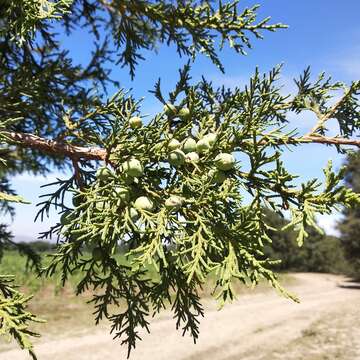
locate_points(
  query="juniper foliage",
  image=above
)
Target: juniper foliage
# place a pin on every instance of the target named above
(178, 207)
(13, 315)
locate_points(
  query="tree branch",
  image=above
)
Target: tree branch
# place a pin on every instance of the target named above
(55, 147)
(327, 140)
(308, 139)
(95, 153)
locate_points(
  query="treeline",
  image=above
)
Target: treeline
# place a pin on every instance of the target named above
(319, 253)
(322, 253)
(350, 225)
(37, 246)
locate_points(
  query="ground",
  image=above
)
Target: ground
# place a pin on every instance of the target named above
(324, 326)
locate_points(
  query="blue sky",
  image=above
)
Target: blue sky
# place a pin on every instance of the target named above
(323, 34)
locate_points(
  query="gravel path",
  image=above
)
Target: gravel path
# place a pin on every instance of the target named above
(251, 328)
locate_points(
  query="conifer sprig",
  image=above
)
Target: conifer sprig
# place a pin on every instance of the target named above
(183, 195)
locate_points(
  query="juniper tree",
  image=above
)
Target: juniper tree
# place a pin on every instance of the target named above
(350, 224)
(320, 253)
(168, 189)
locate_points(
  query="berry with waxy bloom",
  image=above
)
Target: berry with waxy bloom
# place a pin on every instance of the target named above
(210, 138)
(134, 215)
(174, 202)
(184, 113)
(103, 173)
(189, 145)
(224, 161)
(123, 193)
(192, 157)
(176, 158)
(133, 167)
(202, 146)
(143, 203)
(135, 122)
(174, 144)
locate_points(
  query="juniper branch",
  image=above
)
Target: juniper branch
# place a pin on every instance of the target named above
(56, 147)
(322, 118)
(61, 148)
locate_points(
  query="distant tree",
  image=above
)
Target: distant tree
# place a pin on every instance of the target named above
(169, 186)
(350, 225)
(40, 246)
(320, 253)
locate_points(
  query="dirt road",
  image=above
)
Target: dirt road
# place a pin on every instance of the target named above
(325, 325)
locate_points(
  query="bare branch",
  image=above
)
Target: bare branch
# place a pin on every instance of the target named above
(328, 140)
(311, 139)
(95, 153)
(56, 147)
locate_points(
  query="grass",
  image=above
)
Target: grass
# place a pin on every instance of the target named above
(56, 304)
(15, 264)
